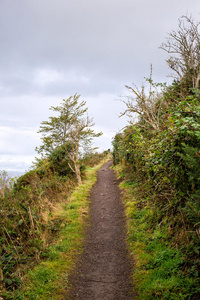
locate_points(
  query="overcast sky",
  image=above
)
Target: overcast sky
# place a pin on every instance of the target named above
(52, 49)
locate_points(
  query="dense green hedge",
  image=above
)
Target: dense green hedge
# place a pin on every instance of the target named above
(165, 163)
(27, 215)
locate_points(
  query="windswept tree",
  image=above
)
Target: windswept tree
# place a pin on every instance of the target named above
(183, 45)
(71, 129)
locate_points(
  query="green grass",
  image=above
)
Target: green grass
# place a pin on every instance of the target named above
(49, 279)
(159, 265)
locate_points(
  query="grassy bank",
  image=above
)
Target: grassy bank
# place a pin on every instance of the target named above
(161, 267)
(49, 278)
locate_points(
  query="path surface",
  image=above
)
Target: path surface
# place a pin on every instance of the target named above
(103, 272)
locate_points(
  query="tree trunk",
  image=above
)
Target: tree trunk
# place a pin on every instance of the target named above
(76, 163)
(78, 173)
(197, 81)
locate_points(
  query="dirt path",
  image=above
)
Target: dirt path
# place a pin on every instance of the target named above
(104, 269)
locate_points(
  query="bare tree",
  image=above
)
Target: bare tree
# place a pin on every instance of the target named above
(145, 104)
(184, 47)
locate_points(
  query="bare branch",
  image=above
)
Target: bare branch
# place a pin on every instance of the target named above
(147, 106)
(184, 44)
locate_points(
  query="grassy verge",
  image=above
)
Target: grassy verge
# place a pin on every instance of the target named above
(49, 279)
(159, 264)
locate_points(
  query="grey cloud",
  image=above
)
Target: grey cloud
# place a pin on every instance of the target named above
(53, 49)
(17, 141)
(14, 166)
(91, 34)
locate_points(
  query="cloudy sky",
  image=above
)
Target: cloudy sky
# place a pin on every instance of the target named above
(52, 49)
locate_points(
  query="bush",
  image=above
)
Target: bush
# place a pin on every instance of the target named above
(166, 165)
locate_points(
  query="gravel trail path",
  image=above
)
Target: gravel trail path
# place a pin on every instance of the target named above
(103, 272)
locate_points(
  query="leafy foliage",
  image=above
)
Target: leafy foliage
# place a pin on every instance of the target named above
(28, 216)
(164, 164)
(70, 132)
